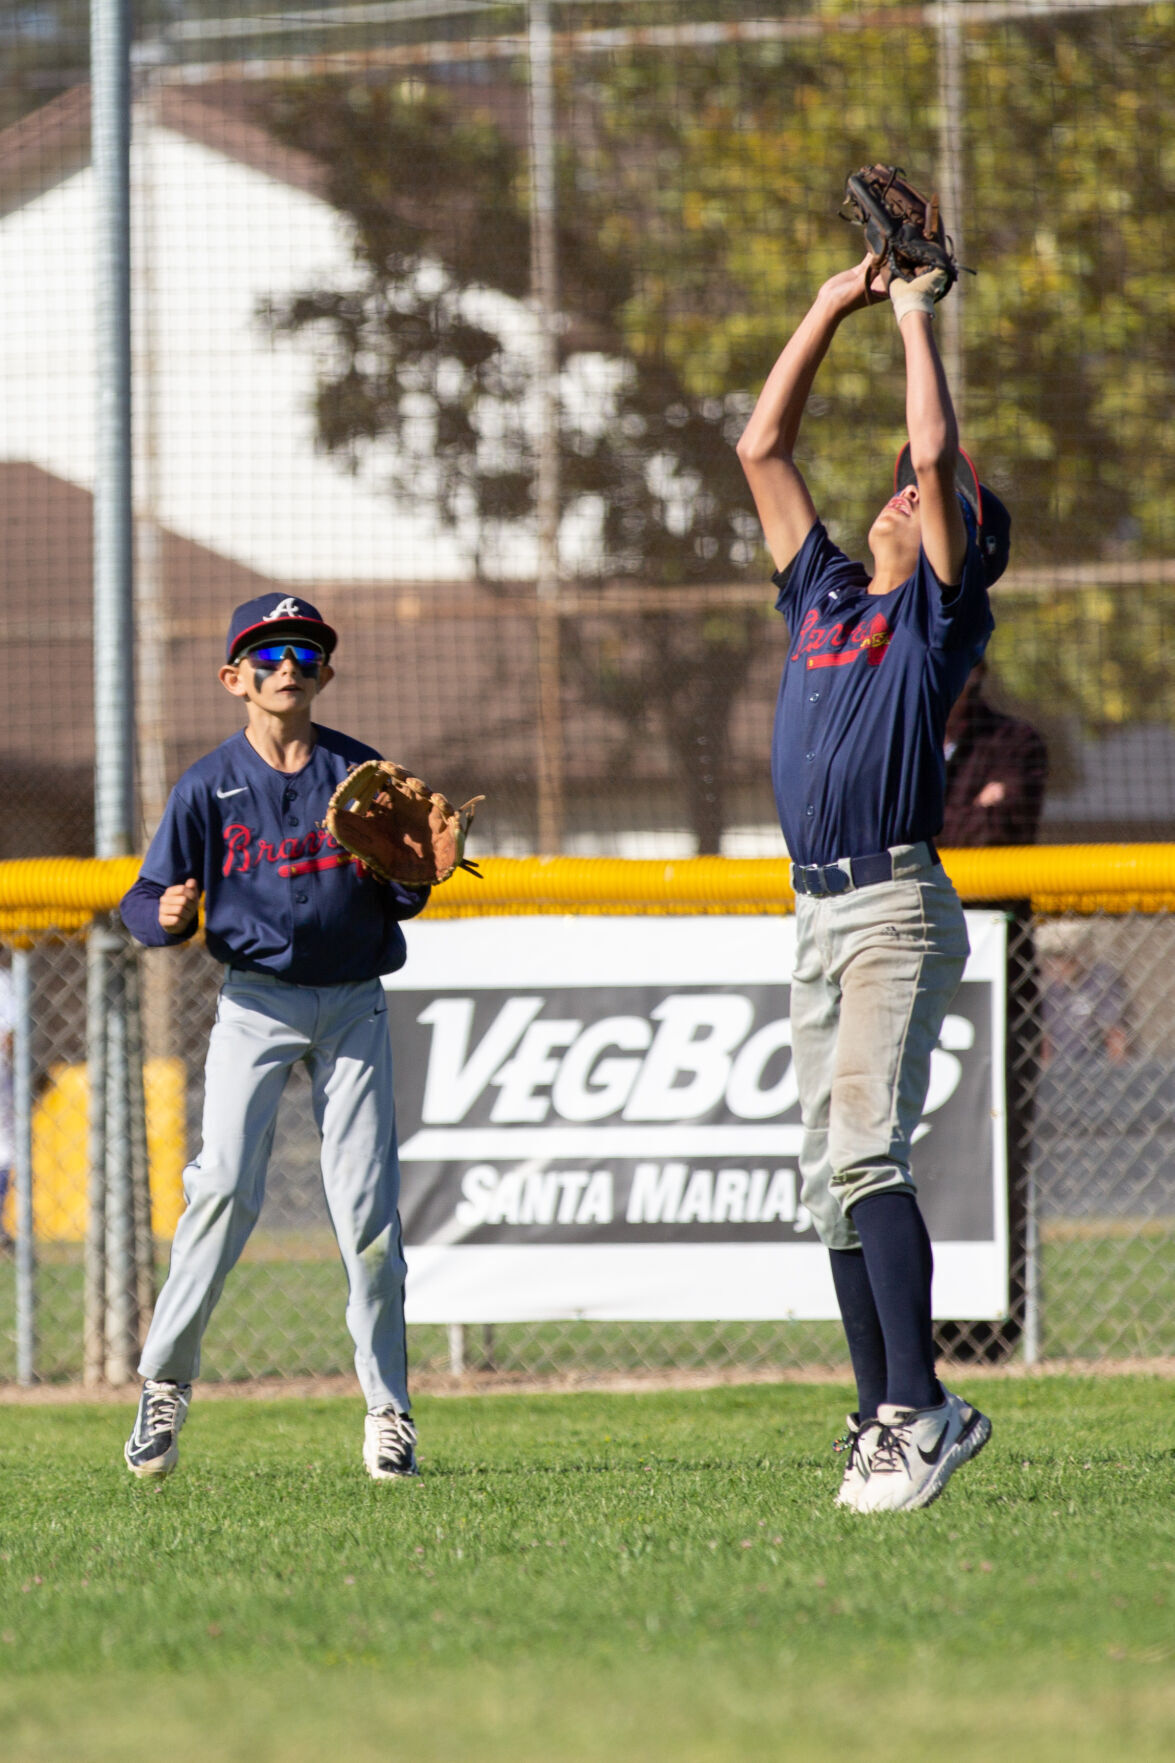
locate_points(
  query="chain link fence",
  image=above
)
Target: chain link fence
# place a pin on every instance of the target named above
(515, 493)
(1092, 1188)
(447, 317)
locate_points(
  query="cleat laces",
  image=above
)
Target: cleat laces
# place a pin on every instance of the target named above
(889, 1454)
(162, 1406)
(396, 1436)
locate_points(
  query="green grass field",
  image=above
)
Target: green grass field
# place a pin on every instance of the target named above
(588, 1577)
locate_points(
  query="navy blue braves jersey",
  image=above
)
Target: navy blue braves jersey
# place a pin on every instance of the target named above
(857, 751)
(280, 895)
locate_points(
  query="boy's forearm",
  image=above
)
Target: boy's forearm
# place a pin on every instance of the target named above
(934, 448)
(139, 910)
(930, 411)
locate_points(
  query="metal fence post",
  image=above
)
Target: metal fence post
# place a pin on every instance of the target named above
(544, 273)
(94, 1325)
(109, 1291)
(121, 1307)
(22, 1109)
(1031, 1271)
(952, 105)
(114, 724)
(144, 1242)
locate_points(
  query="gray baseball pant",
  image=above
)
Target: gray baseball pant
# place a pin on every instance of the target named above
(263, 1027)
(876, 969)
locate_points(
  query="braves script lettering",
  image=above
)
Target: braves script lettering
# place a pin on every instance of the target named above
(244, 851)
(834, 645)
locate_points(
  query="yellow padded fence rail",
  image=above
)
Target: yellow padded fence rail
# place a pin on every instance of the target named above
(40, 896)
(1056, 878)
(60, 895)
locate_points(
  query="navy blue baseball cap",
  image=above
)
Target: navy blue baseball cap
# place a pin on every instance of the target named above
(272, 616)
(989, 520)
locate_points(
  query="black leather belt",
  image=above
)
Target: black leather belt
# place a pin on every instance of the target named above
(822, 879)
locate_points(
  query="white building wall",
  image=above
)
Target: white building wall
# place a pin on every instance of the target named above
(233, 463)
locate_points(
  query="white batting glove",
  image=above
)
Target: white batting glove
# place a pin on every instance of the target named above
(920, 295)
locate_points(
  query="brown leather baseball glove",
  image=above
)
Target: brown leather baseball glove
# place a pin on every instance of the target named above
(403, 831)
(903, 228)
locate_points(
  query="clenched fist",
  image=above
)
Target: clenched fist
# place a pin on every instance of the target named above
(177, 906)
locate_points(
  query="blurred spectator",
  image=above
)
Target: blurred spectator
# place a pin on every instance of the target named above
(7, 1130)
(1085, 1010)
(996, 771)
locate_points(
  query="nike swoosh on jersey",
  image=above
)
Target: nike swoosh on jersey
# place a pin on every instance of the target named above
(240, 792)
(932, 1457)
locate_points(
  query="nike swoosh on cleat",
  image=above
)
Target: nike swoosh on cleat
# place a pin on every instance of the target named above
(930, 1457)
(223, 793)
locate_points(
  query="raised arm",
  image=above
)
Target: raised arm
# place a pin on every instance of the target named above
(933, 431)
(766, 448)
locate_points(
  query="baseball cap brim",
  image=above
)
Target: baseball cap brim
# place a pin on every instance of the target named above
(312, 630)
(990, 515)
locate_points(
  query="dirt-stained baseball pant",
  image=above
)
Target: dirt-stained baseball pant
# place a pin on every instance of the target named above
(876, 969)
(263, 1027)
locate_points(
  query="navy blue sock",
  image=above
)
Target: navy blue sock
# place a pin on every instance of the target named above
(862, 1328)
(900, 1262)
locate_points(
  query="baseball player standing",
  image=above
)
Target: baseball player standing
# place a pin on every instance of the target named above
(873, 667)
(304, 936)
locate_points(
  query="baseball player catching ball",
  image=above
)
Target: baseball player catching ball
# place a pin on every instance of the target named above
(874, 664)
(304, 935)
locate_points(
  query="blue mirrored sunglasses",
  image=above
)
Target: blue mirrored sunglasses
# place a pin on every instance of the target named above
(308, 658)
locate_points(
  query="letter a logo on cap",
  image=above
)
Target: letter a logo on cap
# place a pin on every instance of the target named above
(287, 608)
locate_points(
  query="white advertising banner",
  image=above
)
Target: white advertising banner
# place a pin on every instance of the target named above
(598, 1120)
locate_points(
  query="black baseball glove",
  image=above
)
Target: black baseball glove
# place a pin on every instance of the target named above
(903, 228)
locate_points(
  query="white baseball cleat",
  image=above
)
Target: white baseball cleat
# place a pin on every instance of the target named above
(389, 1445)
(153, 1447)
(859, 1442)
(918, 1450)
